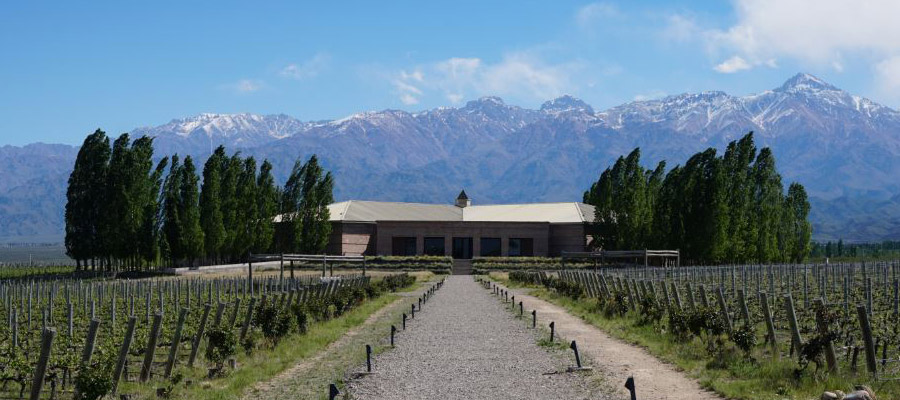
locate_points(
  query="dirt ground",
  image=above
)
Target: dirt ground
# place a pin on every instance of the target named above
(617, 360)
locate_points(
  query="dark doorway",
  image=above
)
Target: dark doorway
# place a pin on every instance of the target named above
(462, 247)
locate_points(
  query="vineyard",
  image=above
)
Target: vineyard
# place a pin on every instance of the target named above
(85, 338)
(828, 322)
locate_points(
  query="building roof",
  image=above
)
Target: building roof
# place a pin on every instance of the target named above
(462, 195)
(372, 211)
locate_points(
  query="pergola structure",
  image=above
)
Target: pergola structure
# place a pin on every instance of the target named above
(323, 258)
(646, 255)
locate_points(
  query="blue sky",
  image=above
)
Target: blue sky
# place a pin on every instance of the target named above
(69, 67)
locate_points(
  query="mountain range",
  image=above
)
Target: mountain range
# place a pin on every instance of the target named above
(844, 148)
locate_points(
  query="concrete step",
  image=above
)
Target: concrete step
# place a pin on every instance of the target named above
(462, 267)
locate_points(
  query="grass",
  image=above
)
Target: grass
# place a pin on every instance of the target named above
(729, 373)
(265, 364)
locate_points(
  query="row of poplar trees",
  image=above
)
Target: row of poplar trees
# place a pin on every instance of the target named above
(715, 209)
(125, 212)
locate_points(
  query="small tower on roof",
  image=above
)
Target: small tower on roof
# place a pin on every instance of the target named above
(462, 201)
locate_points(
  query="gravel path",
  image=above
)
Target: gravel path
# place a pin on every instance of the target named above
(465, 345)
(617, 360)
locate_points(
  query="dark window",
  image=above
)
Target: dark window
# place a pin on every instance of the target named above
(490, 247)
(404, 246)
(521, 247)
(434, 246)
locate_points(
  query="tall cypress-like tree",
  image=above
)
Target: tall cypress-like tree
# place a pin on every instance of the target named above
(150, 234)
(267, 207)
(119, 222)
(306, 225)
(211, 199)
(85, 197)
(189, 213)
(286, 237)
(799, 228)
(768, 206)
(715, 209)
(171, 237)
(738, 163)
(231, 174)
(247, 212)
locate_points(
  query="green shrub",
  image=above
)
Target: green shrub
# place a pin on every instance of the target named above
(744, 338)
(222, 345)
(94, 381)
(274, 322)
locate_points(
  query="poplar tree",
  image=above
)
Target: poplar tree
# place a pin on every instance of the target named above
(211, 199)
(306, 225)
(800, 230)
(714, 209)
(191, 233)
(118, 221)
(84, 199)
(267, 207)
(231, 173)
(768, 206)
(246, 213)
(171, 242)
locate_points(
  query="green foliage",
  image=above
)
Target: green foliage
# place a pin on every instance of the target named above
(85, 197)
(94, 381)
(222, 345)
(304, 206)
(124, 214)
(211, 216)
(652, 312)
(744, 337)
(714, 209)
(275, 322)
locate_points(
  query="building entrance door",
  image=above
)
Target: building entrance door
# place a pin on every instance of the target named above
(462, 247)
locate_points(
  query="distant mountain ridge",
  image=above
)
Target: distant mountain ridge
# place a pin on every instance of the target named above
(844, 148)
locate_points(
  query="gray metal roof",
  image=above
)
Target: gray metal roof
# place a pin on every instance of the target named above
(371, 211)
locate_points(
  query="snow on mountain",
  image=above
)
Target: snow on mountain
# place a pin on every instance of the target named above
(844, 148)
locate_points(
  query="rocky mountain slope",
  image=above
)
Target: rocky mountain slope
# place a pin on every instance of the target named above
(844, 148)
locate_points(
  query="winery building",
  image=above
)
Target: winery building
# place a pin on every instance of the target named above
(461, 230)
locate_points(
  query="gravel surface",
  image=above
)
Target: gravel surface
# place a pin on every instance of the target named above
(465, 345)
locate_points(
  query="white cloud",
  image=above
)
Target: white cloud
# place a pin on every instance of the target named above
(245, 86)
(732, 65)
(888, 74)
(656, 94)
(307, 69)
(586, 16)
(680, 28)
(517, 75)
(821, 33)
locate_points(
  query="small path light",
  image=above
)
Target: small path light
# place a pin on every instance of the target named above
(393, 331)
(552, 330)
(629, 384)
(574, 347)
(412, 313)
(533, 319)
(521, 310)
(578, 366)
(333, 392)
(369, 358)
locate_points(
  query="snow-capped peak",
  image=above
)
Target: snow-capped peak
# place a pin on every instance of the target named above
(805, 82)
(566, 103)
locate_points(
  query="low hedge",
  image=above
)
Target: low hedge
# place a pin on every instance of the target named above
(436, 264)
(489, 264)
